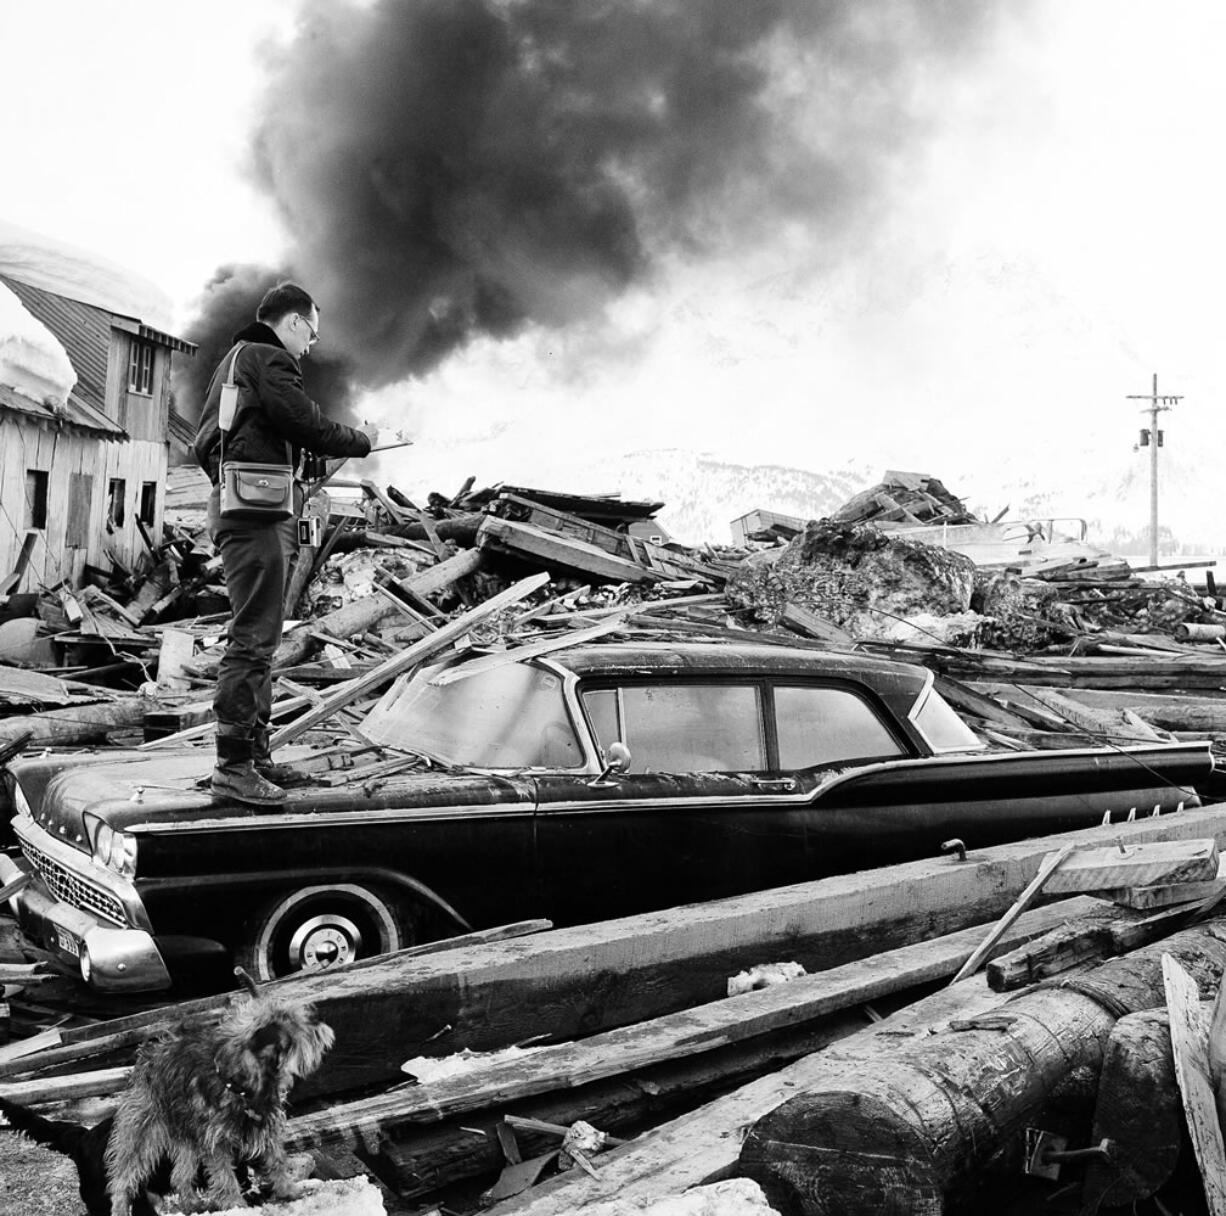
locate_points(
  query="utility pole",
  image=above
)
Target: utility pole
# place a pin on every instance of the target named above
(1152, 438)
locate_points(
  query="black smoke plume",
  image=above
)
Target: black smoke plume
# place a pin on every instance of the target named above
(454, 168)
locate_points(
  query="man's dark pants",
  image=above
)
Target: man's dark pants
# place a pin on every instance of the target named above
(256, 558)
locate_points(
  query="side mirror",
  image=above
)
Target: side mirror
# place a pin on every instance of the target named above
(617, 760)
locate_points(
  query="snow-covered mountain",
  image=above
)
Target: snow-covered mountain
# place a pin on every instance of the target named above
(702, 494)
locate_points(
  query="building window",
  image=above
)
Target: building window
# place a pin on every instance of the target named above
(36, 498)
(116, 491)
(140, 367)
(148, 502)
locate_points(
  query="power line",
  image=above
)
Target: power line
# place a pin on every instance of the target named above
(1152, 438)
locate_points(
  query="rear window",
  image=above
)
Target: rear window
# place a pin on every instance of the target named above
(940, 725)
(681, 728)
(824, 725)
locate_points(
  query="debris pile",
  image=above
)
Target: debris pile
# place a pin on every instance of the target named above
(901, 569)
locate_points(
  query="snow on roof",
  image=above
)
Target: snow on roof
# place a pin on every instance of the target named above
(32, 361)
(56, 266)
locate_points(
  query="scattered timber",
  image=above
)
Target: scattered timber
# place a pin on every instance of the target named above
(655, 1041)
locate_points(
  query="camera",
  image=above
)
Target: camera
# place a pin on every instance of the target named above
(310, 532)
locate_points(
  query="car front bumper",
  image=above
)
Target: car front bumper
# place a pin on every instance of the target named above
(108, 958)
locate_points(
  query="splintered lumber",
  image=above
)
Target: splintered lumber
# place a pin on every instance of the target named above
(175, 651)
(907, 1134)
(101, 1083)
(1147, 864)
(79, 724)
(1109, 931)
(1190, 1047)
(1138, 1109)
(687, 1032)
(807, 622)
(436, 642)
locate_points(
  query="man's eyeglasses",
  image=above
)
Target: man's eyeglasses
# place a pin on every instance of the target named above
(313, 331)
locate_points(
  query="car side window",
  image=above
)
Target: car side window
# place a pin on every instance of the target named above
(682, 728)
(819, 724)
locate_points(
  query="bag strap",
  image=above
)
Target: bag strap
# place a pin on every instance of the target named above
(229, 382)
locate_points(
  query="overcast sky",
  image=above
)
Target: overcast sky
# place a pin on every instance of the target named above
(1049, 235)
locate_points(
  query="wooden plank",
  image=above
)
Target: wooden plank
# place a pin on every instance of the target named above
(96, 1084)
(175, 652)
(412, 657)
(687, 1032)
(1190, 1047)
(1140, 865)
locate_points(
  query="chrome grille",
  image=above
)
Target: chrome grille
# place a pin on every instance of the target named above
(69, 888)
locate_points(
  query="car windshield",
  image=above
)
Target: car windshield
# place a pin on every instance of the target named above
(513, 716)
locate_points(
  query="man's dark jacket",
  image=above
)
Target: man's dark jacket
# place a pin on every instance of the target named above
(275, 420)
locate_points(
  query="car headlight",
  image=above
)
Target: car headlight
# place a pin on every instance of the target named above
(21, 802)
(111, 848)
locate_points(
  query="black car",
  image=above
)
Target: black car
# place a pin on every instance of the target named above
(594, 782)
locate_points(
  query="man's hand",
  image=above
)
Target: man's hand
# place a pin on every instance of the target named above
(371, 432)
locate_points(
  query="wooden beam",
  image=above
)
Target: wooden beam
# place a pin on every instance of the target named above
(527, 650)
(427, 647)
(1189, 1046)
(443, 574)
(1140, 864)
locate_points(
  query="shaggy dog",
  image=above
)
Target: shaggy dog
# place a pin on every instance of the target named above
(203, 1098)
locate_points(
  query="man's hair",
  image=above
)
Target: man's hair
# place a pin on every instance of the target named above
(282, 300)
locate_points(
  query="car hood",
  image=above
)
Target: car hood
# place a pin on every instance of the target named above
(140, 790)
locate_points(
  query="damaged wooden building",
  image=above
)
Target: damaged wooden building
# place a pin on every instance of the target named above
(82, 478)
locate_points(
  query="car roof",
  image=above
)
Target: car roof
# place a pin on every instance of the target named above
(899, 682)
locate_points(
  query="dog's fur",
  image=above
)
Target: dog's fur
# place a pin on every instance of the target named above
(204, 1098)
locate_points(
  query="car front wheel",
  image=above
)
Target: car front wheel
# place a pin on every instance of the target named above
(320, 928)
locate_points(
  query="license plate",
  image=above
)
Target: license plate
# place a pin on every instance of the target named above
(68, 943)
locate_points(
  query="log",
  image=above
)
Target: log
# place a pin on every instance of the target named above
(79, 724)
(443, 574)
(909, 1134)
(349, 620)
(1138, 1109)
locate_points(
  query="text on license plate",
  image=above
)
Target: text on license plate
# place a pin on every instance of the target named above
(68, 943)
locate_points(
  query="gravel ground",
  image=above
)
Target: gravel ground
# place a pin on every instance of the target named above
(34, 1181)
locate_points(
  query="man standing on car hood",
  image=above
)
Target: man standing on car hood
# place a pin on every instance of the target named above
(273, 411)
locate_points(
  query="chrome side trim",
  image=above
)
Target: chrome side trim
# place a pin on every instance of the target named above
(315, 819)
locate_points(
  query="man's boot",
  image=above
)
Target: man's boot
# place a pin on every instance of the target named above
(269, 769)
(235, 775)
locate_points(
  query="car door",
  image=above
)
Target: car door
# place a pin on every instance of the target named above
(698, 814)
